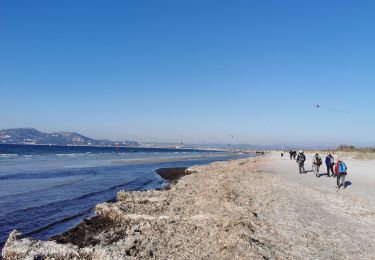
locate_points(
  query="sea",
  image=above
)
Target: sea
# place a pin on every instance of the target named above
(46, 190)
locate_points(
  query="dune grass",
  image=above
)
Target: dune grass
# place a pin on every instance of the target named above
(350, 151)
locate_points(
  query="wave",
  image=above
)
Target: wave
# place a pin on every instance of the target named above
(84, 213)
(67, 154)
(63, 220)
(52, 224)
(57, 222)
(15, 196)
(8, 155)
(56, 204)
(33, 220)
(148, 182)
(52, 174)
(78, 166)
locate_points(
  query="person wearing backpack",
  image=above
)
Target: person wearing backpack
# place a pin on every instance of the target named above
(341, 171)
(301, 158)
(330, 162)
(317, 161)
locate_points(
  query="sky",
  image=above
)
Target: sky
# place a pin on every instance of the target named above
(192, 71)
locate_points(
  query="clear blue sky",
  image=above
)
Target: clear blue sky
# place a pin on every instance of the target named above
(155, 70)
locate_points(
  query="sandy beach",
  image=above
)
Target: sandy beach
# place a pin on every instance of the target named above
(255, 208)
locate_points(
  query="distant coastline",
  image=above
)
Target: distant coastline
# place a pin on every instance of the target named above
(32, 136)
(43, 148)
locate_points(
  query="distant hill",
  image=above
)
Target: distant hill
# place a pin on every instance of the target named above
(33, 136)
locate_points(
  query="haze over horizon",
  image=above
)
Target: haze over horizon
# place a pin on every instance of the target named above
(191, 71)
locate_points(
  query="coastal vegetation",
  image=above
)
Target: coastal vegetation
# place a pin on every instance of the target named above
(366, 153)
(352, 148)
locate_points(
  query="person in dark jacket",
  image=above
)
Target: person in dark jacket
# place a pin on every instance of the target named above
(330, 162)
(291, 155)
(317, 161)
(301, 158)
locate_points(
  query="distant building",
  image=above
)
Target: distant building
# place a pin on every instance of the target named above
(29, 141)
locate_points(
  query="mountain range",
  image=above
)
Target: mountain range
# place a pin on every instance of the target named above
(33, 136)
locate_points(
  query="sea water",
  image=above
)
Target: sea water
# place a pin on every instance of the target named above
(46, 190)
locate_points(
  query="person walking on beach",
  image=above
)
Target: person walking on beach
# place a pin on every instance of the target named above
(294, 155)
(330, 162)
(301, 158)
(317, 161)
(291, 155)
(341, 171)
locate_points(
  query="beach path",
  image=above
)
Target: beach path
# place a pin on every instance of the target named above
(317, 218)
(360, 178)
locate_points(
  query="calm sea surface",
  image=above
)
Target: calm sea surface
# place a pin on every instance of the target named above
(46, 190)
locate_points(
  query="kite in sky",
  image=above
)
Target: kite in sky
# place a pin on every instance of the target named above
(332, 109)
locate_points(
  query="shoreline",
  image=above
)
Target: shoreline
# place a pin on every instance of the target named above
(136, 175)
(80, 234)
(244, 209)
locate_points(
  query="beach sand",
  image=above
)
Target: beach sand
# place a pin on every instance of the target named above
(255, 208)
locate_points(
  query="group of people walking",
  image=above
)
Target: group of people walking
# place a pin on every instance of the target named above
(334, 169)
(293, 155)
